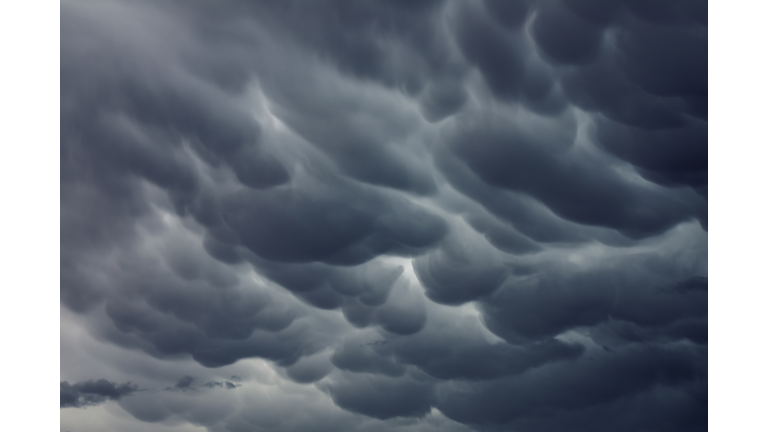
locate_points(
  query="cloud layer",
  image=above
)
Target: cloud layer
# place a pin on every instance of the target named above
(385, 215)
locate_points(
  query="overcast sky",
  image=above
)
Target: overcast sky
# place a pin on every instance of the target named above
(383, 215)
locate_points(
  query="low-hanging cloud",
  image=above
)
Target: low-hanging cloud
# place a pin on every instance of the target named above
(93, 392)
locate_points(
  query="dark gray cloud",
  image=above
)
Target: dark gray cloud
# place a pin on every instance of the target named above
(385, 215)
(185, 383)
(90, 393)
(591, 382)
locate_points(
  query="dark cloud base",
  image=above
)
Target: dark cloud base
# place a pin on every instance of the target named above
(424, 215)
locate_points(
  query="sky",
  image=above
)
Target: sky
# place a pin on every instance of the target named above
(383, 215)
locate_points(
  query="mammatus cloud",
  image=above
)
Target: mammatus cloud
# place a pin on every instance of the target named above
(385, 215)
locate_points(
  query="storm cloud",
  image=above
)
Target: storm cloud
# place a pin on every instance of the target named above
(385, 215)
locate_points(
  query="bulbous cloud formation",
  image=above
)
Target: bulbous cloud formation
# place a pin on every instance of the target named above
(384, 215)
